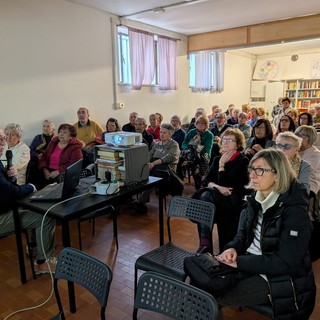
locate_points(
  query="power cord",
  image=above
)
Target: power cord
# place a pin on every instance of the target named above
(46, 258)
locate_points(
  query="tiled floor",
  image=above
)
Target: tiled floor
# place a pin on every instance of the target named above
(137, 234)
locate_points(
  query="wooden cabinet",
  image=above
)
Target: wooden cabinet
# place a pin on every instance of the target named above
(304, 94)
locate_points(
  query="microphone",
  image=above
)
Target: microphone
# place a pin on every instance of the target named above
(9, 159)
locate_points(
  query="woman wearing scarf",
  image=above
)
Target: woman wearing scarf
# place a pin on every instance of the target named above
(225, 188)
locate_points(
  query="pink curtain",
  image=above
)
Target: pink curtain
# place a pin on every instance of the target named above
(167, 63)
(142, 58)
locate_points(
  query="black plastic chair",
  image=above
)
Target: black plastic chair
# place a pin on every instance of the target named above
(168, 259)
(174, 298)
(92, 216)
(85, 270)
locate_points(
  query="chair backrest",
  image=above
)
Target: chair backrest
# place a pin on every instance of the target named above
(174, 298)
(197, 211)
(80, 268)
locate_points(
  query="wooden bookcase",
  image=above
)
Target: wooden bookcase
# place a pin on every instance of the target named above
(304, 94)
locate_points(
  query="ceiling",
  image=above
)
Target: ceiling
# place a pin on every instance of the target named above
(198, 16)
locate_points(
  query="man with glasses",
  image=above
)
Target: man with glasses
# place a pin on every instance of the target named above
(9, 192)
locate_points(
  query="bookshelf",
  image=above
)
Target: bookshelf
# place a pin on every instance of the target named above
(126, 164)
(303, 93)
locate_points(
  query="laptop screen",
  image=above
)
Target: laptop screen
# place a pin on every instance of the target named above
(71, 179)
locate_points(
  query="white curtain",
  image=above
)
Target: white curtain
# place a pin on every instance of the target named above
(209, 72)
(167, 49)
(142, 58)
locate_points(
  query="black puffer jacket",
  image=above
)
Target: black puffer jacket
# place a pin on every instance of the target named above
(285, 235)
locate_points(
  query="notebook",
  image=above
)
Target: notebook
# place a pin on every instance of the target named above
(63, 190)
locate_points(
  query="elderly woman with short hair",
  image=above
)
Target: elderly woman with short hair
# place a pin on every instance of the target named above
(164, 156)
(20, 151)
(243, 126)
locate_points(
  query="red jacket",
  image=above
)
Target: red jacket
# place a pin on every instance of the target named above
(69, 155)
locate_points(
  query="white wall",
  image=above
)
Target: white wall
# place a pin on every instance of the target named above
(56, 56)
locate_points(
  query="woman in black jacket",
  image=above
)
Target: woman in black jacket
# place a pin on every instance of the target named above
(270, 250)
(225, 188)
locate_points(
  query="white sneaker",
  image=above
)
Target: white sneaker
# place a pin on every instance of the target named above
(44, 268)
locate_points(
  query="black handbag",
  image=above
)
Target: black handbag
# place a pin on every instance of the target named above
(208, 274)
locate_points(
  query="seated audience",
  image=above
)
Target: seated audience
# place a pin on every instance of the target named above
(225, 188)
(62, 151)
(213, 113)
(316, 117)
(20, 151)
(254, 116)
(243, 126)
(305, 119)
(199, 112)
(140, 127)
(276, 108)
(312, 111)
(270, 251)
(130, 127)
(196, 151)
(37, 147)
(87, 130)
(246, 108)
(285, 124)
(294, 115)
(112, 125)
(9, 192)
(283, 111)
(179, 134)
(233, 119)
(262, 113)
(164, 157)
(219, 126)
(290, 144)
(262, 138)
(154, 127)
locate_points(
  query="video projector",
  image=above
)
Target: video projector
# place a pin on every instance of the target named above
(122, 138)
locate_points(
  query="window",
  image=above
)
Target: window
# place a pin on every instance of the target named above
(207, 71)
(146, 59)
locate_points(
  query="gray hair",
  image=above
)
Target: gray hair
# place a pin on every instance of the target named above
(167, 126)
(290, 135)
(310, 131)
(16, 128)
(49, 122)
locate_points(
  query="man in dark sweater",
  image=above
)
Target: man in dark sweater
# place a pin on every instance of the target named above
(129, 127)
(9, 192)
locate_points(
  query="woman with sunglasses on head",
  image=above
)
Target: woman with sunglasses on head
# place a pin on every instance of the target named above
(262, 138)
(270, 251)
(225, 188)
(290, 144)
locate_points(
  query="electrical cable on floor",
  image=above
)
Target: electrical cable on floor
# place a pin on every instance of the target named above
(46, 258)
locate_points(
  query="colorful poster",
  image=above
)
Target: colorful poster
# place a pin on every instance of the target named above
(268, 69)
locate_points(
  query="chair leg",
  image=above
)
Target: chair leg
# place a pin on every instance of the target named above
(79, 234)
(135, 282)
(30, 254)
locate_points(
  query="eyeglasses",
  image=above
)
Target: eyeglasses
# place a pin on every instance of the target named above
(304, 118)
(260, 171)
(260, 128)
(219, 118)
(286, 146)
(3, 138)
(302, 135)
(228, 140)
(284, 120)
(202, 123)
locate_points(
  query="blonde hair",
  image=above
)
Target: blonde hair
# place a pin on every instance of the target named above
(278, 161)
(204, 119)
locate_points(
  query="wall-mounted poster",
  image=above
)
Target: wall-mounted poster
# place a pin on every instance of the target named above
(268, 69)
(315, 69)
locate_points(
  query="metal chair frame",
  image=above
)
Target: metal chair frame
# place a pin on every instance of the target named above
(168, 259)
(85, 270)
(174, 298)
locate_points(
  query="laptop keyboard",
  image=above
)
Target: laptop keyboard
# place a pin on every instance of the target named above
(54, 193)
